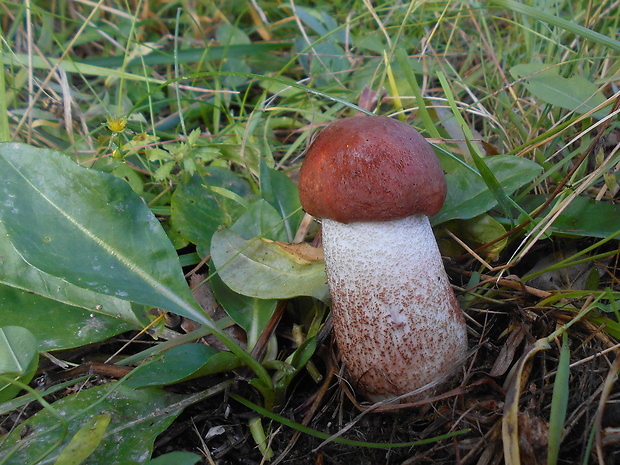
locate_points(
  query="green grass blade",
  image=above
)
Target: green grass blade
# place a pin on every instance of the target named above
(350, 442)
(569, 26)
(258, 78)
(443, 80)
(492, 183)
(5, 134)
(19, 59)
(202, 54)
(401, 57)
(559, 403)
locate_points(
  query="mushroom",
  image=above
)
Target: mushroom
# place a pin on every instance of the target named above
(374, 181)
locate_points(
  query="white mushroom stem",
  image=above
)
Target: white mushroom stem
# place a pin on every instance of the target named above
(397, 322)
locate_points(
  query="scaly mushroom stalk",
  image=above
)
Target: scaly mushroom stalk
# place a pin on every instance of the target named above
(374, 181)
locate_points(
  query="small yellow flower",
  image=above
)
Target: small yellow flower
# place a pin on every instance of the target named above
(117, 125)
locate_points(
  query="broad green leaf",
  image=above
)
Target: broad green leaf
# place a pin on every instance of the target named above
(181, 363)
(296, 361)
(468, 196)
(137, 418)
(228, 34)
(18, 358)
(85, 441)
(56, 325)
(480, 230)
(248, 156)
(321, 23)
(281, 192)
(260, 220)
(265, 269)
(59, 314)
(327, 60)
(250, 313)
(176, 458)
(575, 93)
(582, 218)
(197, 211)
(373, 41)
(235, 65)
(16, 272)
(18, 347)
(90, 229)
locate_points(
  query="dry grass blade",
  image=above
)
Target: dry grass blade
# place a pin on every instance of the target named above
(510, 421)
(608, 385)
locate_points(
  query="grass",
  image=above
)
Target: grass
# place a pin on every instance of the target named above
(205, 110)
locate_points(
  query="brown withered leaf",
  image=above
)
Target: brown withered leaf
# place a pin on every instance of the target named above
(533, 439)
(507, 353)
(303, 251)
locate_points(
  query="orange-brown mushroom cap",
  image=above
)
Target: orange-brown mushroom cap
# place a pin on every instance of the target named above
(371, 168)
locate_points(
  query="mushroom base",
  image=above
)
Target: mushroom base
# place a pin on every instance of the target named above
(397, 323)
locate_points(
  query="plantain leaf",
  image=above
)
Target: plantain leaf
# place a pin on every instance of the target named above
(182, 363)
(250, 313)
(468, 195)
(85, 441)
(281, 192)
(265, 269)
(90, 229)
(59, 314)
(260, 219)
(56, 325)
(17, 273)
(18, 359)
(584, 217)
(198, 210)
(137, 417)
(575, 93)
